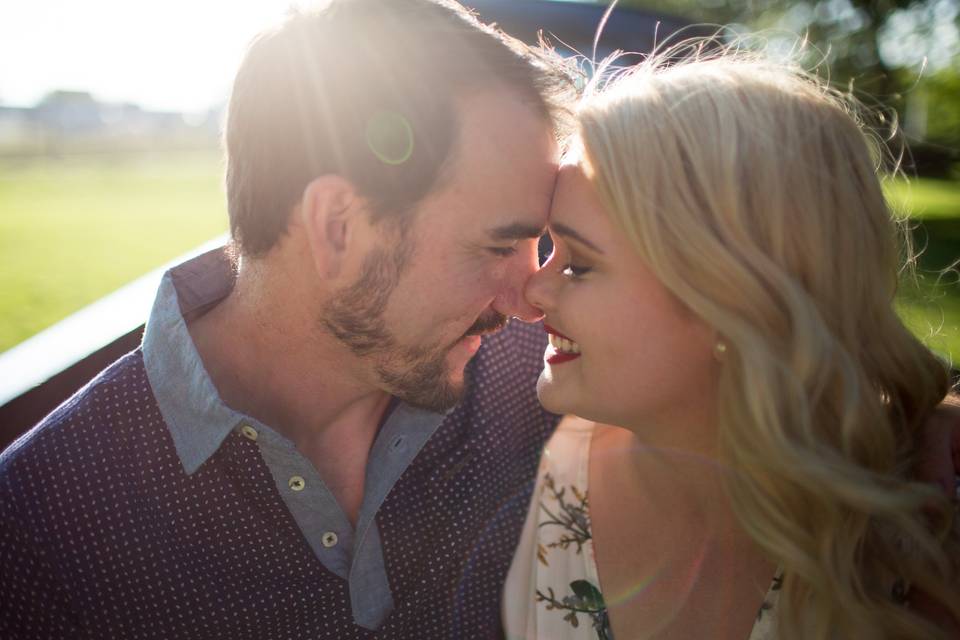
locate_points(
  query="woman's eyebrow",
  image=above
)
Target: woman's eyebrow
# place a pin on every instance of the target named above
(564, 231)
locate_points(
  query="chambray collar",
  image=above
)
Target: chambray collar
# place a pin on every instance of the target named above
(199, 421)
(197, 418)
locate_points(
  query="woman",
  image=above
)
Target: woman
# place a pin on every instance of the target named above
(721, 289)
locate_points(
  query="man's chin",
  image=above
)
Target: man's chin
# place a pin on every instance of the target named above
(432, 391)
(437, 400)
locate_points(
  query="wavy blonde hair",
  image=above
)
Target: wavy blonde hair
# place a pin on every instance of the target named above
(750, 189)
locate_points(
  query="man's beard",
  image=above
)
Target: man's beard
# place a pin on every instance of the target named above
(417, 375)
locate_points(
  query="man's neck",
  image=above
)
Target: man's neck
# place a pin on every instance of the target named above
(264, 364)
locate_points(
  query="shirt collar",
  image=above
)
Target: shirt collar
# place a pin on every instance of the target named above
(197, 418)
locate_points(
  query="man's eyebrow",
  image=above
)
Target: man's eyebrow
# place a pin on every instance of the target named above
(563, 230)
(515, 231)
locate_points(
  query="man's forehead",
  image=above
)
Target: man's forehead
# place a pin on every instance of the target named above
(504, 168)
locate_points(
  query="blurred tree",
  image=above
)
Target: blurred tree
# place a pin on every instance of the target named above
(904, 53)
(942, 95)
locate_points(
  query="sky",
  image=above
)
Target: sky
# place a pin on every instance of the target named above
(180, 55)
(177, 55)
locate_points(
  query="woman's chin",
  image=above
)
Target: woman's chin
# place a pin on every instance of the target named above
(550, 396)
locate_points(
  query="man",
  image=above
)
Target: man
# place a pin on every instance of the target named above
(306, 444)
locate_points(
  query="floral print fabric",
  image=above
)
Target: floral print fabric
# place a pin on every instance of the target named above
(553, 589)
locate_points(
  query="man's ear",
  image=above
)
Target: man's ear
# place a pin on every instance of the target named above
(329, 211)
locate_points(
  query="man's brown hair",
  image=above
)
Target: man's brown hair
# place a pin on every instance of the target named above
(365, 89)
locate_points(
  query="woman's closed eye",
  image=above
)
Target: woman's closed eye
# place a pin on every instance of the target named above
(574, 271)
(563, 259)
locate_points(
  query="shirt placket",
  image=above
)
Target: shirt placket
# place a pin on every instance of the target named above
(322, 522)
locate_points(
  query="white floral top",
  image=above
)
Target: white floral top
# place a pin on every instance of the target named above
(553, 590)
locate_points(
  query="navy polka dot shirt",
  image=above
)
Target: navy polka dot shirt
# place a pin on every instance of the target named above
(103, 534)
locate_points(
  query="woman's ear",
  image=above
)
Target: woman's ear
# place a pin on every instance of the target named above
(329, 211)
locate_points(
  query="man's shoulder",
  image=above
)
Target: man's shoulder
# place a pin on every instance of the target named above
(119, 396)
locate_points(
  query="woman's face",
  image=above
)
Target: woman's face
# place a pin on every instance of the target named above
(630, 353)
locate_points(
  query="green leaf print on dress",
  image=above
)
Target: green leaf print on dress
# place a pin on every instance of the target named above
(573, 518)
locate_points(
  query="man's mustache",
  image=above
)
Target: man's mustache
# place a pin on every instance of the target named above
(487, 323)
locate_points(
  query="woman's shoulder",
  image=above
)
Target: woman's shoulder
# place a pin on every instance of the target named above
(567, 452)
(572, 426)
(552, 589)
(573, 435)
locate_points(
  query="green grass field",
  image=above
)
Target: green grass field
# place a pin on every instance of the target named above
(932, 310)
(76, 229)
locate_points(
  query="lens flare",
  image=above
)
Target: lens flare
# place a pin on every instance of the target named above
(390, 137)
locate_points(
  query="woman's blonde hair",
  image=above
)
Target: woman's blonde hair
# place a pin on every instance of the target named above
(750, 189)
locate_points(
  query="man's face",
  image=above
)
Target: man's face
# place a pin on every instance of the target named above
(426, 294)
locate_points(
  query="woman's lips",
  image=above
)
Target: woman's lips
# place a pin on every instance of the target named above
(560, 358)
(562, 349)
(550, 329)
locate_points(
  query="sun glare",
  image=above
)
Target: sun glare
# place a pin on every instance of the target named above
(178, 55)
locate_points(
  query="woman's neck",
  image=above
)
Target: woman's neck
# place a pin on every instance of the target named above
(662, 520)
(680, 466)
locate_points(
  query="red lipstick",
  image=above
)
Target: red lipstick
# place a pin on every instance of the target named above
(550, 329)
(558, 357)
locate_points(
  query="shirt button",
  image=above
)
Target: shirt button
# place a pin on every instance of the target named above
(296, 483)
(329, 539)
(249, 432)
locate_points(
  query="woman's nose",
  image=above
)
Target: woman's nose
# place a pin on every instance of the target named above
(538, 290)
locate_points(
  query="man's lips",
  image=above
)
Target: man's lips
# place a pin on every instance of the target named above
(484, 326)
(487, 324)
(470, 343)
